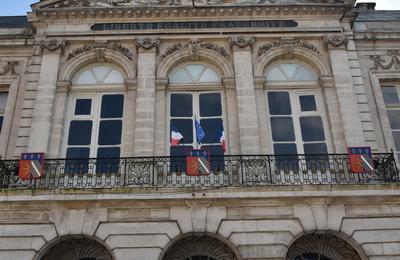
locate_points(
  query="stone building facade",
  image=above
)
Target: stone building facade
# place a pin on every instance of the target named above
(113, 80)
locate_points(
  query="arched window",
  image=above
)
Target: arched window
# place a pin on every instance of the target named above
(295, 109)
(195, 110)
(95, 117)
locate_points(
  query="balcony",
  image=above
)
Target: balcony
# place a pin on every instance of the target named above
(225, 171)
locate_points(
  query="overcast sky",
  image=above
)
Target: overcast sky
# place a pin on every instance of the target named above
(20, 7)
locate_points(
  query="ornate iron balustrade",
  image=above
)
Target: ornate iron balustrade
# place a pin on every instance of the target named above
(229, 170)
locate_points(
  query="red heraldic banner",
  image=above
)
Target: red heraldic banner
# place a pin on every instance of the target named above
(198, 163)
(31, 166)
(361, 159)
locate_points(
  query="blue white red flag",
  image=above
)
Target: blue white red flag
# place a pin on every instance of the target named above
(361, 159)
(176, 136)
(199, 132)
(221, 138)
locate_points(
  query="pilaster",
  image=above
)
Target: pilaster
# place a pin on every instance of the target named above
(129, 122)
(160, 125)
(232, 116)
(265, 139)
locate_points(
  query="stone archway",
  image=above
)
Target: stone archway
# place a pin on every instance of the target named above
(321, 246)
(199, 247)
(76, 248)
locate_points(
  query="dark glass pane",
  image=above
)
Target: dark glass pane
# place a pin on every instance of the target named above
(210, 104)
(390, 95)
(283, 149)
(396, 136)
(181, 105)
(315, 148)
(286, 158)
(282, 129)
(312, 128)
(77, 160)
(110, 132)
(80, 132)
(279, 103)
(1, 123)
(185, 127)
(108, 165)
(179, 164)
(112, 106)
(307, 103)
(316, 156)
(394, 119)
(212, 128)
(83, 107)
(217, 157)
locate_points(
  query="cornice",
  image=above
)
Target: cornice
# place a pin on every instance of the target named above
(190, 12)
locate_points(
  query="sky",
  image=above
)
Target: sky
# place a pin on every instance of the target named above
(21, 7)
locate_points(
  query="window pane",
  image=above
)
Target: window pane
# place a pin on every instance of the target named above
(283, 149)
(195, 71)
(179, 164)
(212, 128)
(312, 129)
(210, 104)
(112, 106)
(181, 76)
(396, 136)
(100, 72)
(83, 107)
(114, 78)
(110, 132)
(78, 152)
(315, 148)
(108, 152)
(1, 123)
(283, 160)
(108, 165)
(3, 100)
(86, 78)
(76, 163)
(181, 105)
(390, 95)
(80, 133)
(279, 103)
(276, 75)
(394, 119)
(217, 157)
(185, 127)
(304, 74)
(209, 76)
(282, 129)
(289, 69)
(307, 103)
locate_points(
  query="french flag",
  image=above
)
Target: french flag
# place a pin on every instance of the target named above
(221, 138)
(176, 136)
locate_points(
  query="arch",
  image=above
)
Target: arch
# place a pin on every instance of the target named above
(78, 62)
(98, 74)
(321, 67)
(75, 247)
(200, 244)
(222, 64)
(189, 73)
(289, 70)
(328, 244)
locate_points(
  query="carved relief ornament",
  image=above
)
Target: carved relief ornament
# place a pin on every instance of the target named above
(336, 41)
(148, 43)
(113, 46)
(9, 68)
(53, 44)
(242, 41)
(194, 46)
(381, 63)
(287, 43)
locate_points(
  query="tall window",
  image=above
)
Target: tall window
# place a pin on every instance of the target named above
(391, 96)
(3, 105)
(296, 114)
(96, 111)
(191, 108)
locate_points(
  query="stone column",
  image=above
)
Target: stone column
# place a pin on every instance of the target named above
(232, 135)
(129, 122)
(246, 95)
(159, 144)
(145, 100)
(58, 119)
(344, 89)
(42, 114)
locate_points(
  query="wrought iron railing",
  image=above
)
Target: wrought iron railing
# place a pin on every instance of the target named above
(229, 170)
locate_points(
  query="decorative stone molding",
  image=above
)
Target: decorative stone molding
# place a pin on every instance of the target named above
(337, 41)
(113, 46)
(10, 68)
(200, 246)
(242, 41)
(53, 45)
(320, 245)
(381, 63)
(148, 43)
(194, 46)
(287, 43)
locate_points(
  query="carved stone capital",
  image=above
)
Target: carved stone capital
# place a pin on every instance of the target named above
(63, 86)
(242, 42)
(10, 68)
(336, 41)
(148, 43)
(131, 84)
(53, 45)
(229, 82)
(161, 84)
